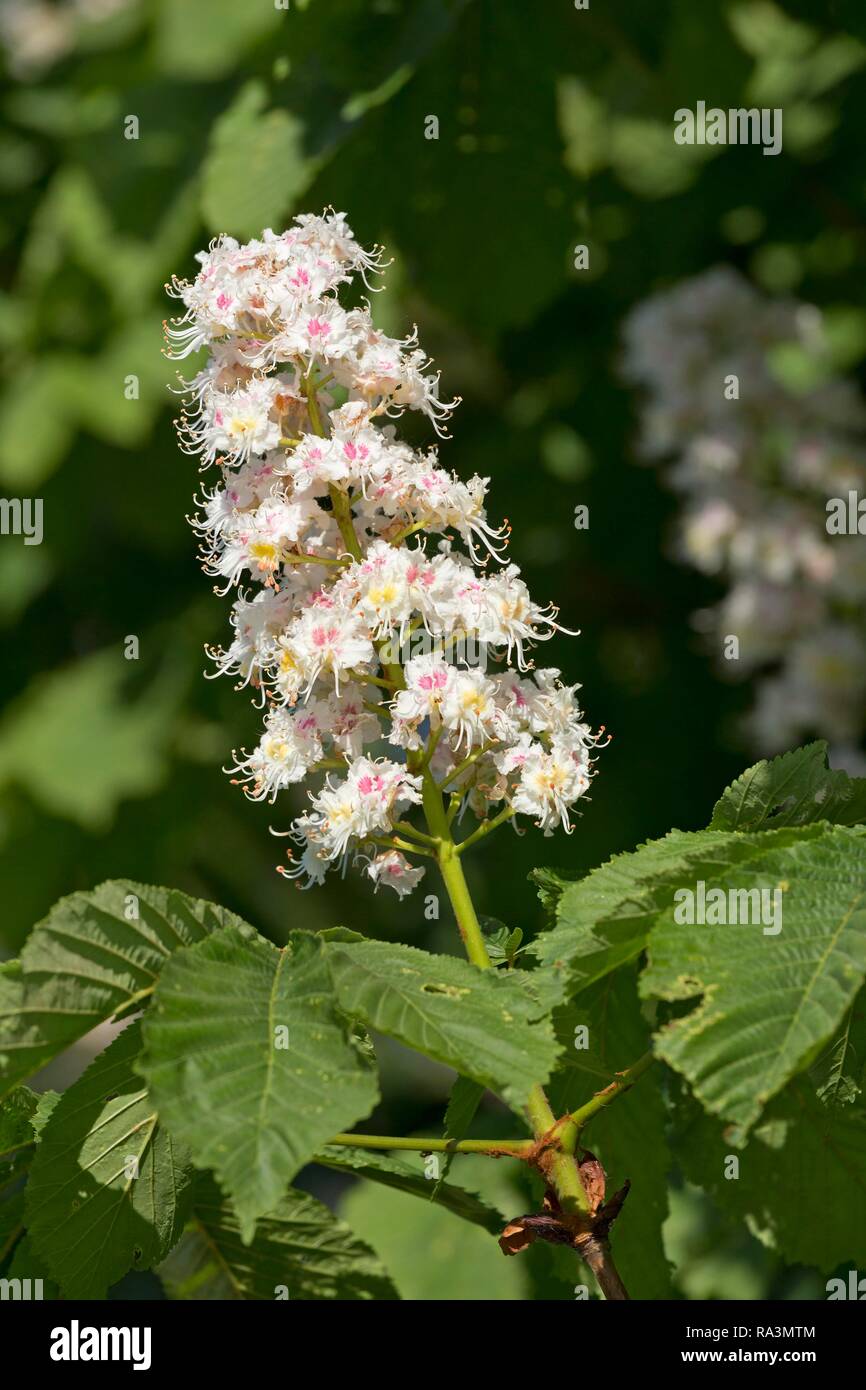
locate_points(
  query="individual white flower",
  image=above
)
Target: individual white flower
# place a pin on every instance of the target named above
(365, 803)
(552, 706)
(509, 618)
(322, 329)
(237, 423)
(259, 541)
(290, 746)
(257, 624)
(470, 713)
(428, 679)
(550, 781)
(394, 869)
(326, 640)
(350, 725)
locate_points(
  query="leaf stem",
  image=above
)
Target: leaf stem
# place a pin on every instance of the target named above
(408, 846)
(299, 558)
(465, 765)
(623, 1081)
(484, 829)
(495, 1148)
(406, 828)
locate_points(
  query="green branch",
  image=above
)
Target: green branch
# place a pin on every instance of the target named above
(559, 1166)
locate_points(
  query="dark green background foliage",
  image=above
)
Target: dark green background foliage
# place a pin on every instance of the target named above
(555, 129)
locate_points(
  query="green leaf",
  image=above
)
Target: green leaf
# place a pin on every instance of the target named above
(16, 1125)
(93, 956)
(768, 1001)
(109, 1189)
(463, 1102)
(203, 39)
(11, 1222)
(61, 773)
(36, 421)
(802, 1175)
(471, 193)
(43, 1112)
(256, 166)
(396, 1172)
(602, 920)
(250, 1063)
(794, 789)
(28, 1264)
(628, 1136)
(485, 1024)
(503, 944)
(839, 1074)
(301, 1250)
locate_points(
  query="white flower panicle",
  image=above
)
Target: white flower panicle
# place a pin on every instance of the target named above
(756, 472)
(356, 605)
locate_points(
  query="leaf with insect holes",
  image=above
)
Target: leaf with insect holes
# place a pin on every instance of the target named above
(767, 995)
(487, 1024)
(794, 789)
(251, 1063)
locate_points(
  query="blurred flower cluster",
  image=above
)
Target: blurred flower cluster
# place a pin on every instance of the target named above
(756, 460)
(359, 631)
(36, 34)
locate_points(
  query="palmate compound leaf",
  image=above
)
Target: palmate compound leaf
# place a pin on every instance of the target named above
(109, 1188)
(396, 1172)
(96, 954)
(797, 788)
(604, 1031)
(301, 1251)
(768, 999)
(801, 1178)
(489, 1025)
(251, 1063)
